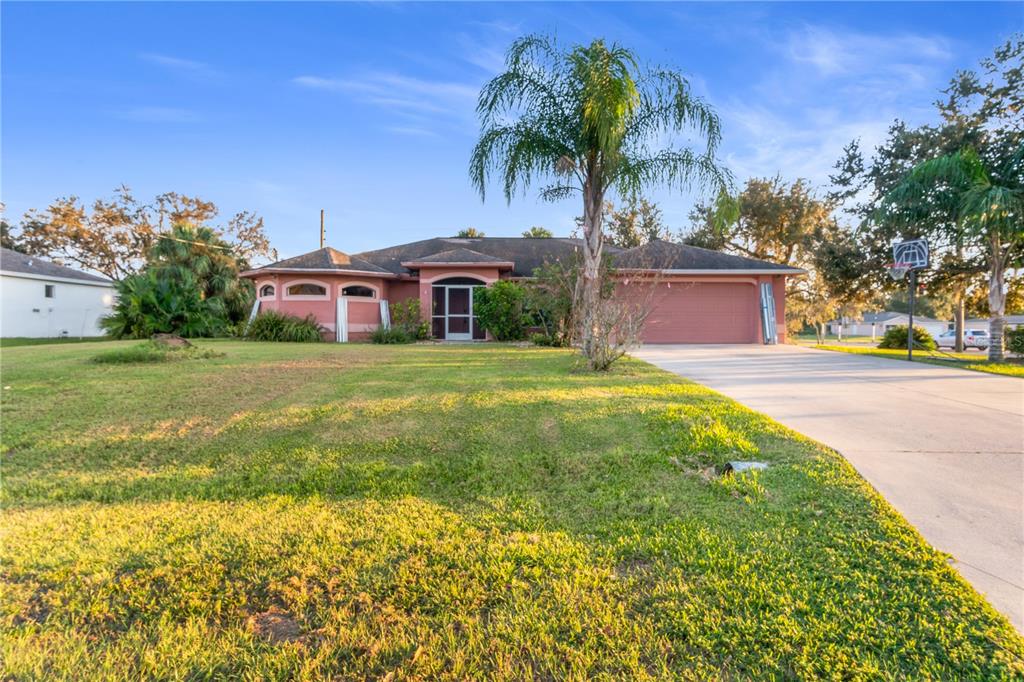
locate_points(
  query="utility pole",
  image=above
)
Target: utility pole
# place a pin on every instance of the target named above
(321, 228)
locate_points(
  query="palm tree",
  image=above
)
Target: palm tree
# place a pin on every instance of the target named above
(990, 199)
(590, 120)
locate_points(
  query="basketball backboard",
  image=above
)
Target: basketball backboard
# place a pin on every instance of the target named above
(913, 253)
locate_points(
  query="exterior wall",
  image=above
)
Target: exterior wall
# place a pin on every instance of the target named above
(400, 290)
(432, 274)
(685, 309)
(363, 313)
(75, 309)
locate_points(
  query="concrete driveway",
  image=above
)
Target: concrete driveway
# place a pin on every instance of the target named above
(944, 446)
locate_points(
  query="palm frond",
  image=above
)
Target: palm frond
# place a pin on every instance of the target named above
(519, 152)
(680, 169)
(668, 105)
(558, 192)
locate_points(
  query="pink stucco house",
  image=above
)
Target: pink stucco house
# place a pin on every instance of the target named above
(699, 296)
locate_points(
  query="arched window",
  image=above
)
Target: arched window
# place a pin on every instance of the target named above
(267, 291)
(306, 289)
(358, 290)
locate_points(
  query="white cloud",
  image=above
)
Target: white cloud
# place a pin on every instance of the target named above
(833, 85)
(178, 64)
(410, 130)
(159, 115)
(427, 103)
(764, 143)
(845, 52)
(386, 85)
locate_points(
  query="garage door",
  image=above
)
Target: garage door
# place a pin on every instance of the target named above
(703, 312)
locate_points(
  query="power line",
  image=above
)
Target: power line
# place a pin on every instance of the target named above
(189, 241)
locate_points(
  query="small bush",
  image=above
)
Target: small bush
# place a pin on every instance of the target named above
(540, 339)
(405, 315)
(390, 335)
(1015, 340)
(896, 337)
(500, 309)
(149, 352)
(275, 326)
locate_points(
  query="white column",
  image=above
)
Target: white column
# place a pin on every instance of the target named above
(341, 320)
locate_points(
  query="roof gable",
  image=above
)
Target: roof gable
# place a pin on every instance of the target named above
(460, 255)
(325, 259)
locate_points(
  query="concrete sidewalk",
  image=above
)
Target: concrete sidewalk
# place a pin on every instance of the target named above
(945, 446)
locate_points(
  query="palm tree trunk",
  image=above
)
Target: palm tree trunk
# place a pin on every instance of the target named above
(592, 245)
(996, 303)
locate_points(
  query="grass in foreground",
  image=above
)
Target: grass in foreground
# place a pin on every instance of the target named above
(447, 512)
(972, 361)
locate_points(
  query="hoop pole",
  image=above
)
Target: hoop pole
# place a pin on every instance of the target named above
(910, 327)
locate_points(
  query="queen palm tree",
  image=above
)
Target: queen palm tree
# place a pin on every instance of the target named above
(591, 120)
(990, 201)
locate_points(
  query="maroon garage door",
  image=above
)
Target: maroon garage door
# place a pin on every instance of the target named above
(703, 312)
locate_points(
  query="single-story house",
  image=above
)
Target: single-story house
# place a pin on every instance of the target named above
(39, 298)
(875, 324)
(1012, 322)
(696, 295)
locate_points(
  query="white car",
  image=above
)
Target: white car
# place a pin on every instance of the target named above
(973, 338)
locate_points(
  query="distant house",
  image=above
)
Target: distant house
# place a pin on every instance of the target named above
(875, 324)
(40, 299)
(1012, 321)
(700, 296)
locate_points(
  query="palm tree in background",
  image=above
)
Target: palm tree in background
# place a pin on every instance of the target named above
(591, 120)
(990, 200)
(200, 253)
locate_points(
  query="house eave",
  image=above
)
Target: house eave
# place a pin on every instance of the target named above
(417, 264)
(714, 271)
(317, 270)
(49, 278)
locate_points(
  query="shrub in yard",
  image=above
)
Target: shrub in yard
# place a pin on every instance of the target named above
(1015, 340)
(148, 303)
(540, 339)
(405, 315)
(189, 287)
(896, 337)
(500, 309)
(150, 351)
(390, 335)
(275, 326)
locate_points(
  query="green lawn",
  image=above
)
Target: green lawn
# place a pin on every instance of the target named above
(446, 512)
(974, 361)
(15, 341)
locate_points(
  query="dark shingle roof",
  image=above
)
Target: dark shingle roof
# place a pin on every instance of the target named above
(460, 255)
(12, 261)
(663, 255)
(527, 254)
(326, 259)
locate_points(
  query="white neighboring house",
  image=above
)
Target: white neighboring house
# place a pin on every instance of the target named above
(1012, 321)
(875, 324)
(42, 299)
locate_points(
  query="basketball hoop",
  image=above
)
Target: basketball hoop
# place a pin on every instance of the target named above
(898, 270)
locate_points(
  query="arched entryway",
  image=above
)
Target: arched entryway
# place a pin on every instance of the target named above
(452, 317)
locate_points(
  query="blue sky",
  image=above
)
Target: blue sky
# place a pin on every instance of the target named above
(367, 110)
